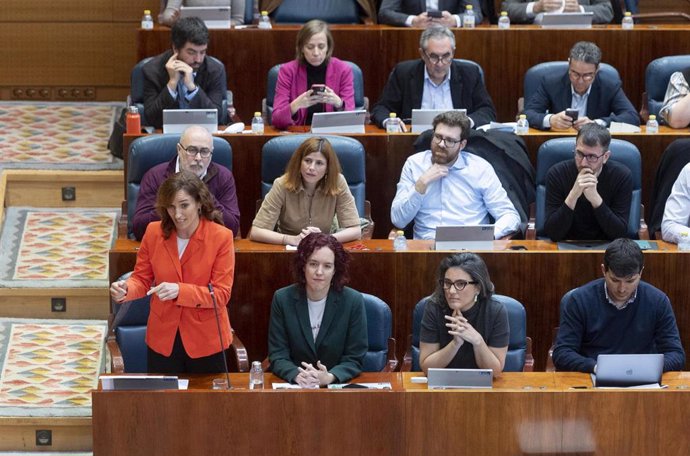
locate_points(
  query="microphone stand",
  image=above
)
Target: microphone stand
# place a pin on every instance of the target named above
(220, 334)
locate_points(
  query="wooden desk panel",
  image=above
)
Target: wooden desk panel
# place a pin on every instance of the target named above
(538, 278)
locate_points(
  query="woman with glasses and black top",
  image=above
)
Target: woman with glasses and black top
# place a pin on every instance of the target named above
(462, 326)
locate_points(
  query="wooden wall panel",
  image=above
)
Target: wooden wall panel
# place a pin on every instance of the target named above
(75, 10)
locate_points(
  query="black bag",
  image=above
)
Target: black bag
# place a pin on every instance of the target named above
(115, 142)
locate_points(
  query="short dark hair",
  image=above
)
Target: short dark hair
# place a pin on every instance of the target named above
(585, 51)
(473, 265)
(311, 28)
(454, 119)
(189, 29)
(194, 187)
(312, 243)
(623, 257)
(592, 134)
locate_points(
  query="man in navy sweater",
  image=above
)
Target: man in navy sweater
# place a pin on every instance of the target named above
(619, 314)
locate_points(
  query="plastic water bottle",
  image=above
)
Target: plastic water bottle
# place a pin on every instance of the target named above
(147, 20)
(522, 127)
(504, 21)
(256, 376)
(133, 121)
(652, 125)
(257, 124)
(684, 242)
(468, 19)
(400, 242)
(265, 21)
(392, 124)
(627, 23)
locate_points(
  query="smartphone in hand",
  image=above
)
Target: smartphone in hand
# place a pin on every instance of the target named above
(318, 89)
(434, 13)
(572, 113)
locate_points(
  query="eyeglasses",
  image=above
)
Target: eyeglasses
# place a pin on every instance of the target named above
(192, 151)
(585, 77)
(445, 58)
(591, 158)
(450, 142)
(458, 284)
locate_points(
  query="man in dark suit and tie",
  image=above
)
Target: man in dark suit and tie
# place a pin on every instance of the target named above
(596, 96)
(435, 81)
(413, 13)
(182, 77)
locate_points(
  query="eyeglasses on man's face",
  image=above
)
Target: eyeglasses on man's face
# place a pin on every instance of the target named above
(591, 158)
(583, 76)
(435, 59)
(458, 284)
(450, 142)
(192, 151)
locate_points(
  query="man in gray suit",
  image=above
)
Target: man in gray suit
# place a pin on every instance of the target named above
(524, 11)
(413, 13)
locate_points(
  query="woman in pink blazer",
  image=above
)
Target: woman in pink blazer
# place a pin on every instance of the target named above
(181, 259)
(313, 82)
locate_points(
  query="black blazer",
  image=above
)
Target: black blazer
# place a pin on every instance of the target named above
(404, 89)
(395, 12)
(210, 78)
(606, 100)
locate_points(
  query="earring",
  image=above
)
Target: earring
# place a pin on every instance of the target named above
(476, 297)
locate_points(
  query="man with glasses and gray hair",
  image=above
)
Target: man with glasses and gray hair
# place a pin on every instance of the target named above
(595, 96)
(435, 81)
(588, 197)
(445, 186)
(194, 152)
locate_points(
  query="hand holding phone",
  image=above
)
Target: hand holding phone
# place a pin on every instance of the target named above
(434, 14)
(572, 113)
(318, 89)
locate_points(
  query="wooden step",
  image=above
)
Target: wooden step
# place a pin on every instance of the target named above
(67, 433)
(81, 303)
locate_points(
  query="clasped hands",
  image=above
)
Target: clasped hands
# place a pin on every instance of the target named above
(297, 238)
(585, 184)
(178, 69)
(313, 377)
(461, 330)
(551, 6)
(165, 291)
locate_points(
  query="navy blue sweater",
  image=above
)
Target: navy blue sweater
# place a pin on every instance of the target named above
(590, 325)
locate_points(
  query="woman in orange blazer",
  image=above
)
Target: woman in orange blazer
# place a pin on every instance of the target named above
(181, 258)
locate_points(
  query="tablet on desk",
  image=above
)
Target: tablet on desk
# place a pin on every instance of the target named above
(215, 17)
(468, 237)
(422, 119)
(177, 120)
(565, 20)
(338, 122)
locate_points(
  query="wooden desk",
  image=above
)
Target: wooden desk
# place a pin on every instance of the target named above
(505, 55)
(524, 414)
(537, 277)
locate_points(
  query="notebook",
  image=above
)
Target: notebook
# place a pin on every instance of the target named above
(628, 370)
(215, 17)
(459, 378)
(177, 120)
(469, 237)
(423, 118)
(338, 122)
(565, 20)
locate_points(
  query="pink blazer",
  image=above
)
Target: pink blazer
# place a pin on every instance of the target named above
(208, 258)
(292, 82)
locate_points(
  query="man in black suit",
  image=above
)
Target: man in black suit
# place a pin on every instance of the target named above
(435, 81)
(413, 13)
(183, 78)
(597, 96)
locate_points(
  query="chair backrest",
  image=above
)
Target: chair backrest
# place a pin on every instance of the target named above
(330, 11)
(148, 151)
(272, 80)
(674, 158)
(535, 74)
(557, 150)
(136, 91)
(130, 332)
(656, 79)
(379, 329)
(517, 345)
(472, 63)
(276, 154)
(249, 11)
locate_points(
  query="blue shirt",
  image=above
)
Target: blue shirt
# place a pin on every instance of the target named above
(468, 195)
(436, 96)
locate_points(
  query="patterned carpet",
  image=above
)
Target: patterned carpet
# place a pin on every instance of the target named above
(57, 135)
(48, 367)
(56, 247)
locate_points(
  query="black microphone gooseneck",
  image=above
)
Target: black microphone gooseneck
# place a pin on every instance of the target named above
(220, 334)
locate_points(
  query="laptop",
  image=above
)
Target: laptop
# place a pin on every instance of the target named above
(215, 17)
(423, 118)
(177, 120)
(338, 122)
(565, 20)
(628, 370)
(459, 378)
(469, 237)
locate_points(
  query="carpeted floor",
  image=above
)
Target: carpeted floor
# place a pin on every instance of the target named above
(56, 247)
(57, 135)
(48, 367)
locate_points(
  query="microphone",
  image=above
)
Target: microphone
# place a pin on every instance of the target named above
(220, 334)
